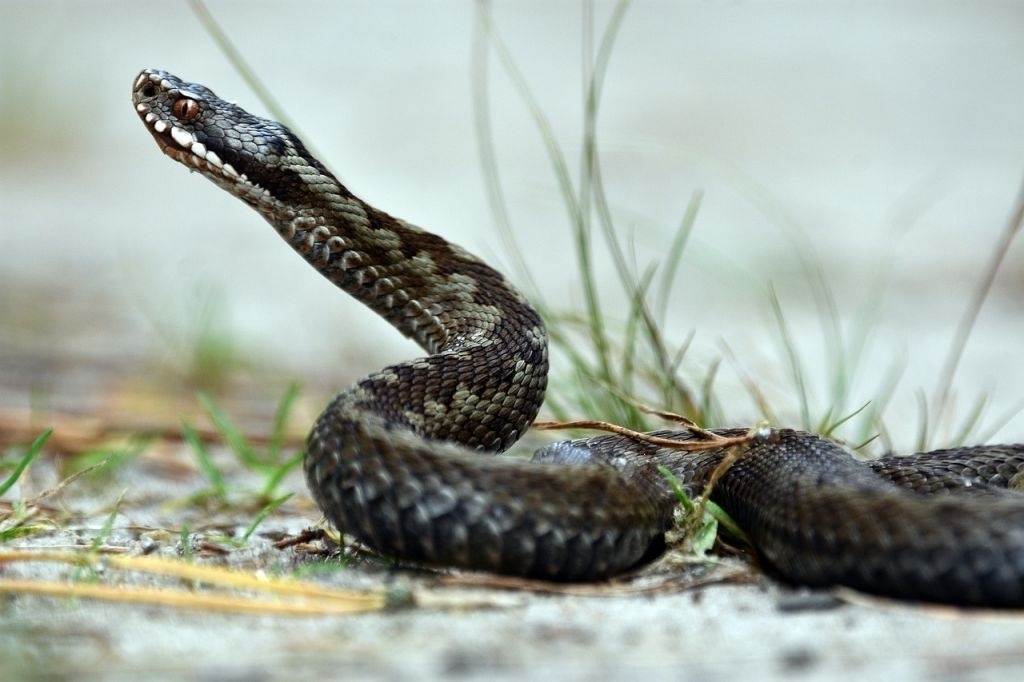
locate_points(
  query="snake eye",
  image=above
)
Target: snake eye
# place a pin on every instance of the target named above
(186, 109)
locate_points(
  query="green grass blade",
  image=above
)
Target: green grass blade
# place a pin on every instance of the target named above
(277, 475)
(108, 526)
(711, 510)
(186, 543)
(591, 192)
(231, 434)
(30, 454)
(677, 488)
(796, 369)
(480, 80)
(209, 469)
(708, 410)
(971, 421)
(674, 255)
(828, 427)
(19, 531)
(999, 422)
(89, 570)
(263, 513)
(578, 212)
(284, 410)
(923, 429)
(964, 329)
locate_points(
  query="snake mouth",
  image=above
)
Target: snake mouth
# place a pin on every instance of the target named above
(173, 140)
(182, 146)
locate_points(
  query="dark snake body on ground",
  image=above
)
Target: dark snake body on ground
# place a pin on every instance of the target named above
(403, 460)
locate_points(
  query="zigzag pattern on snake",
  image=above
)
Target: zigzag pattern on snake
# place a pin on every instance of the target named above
(406, 459)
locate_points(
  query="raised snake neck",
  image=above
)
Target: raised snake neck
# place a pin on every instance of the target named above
(403, 460)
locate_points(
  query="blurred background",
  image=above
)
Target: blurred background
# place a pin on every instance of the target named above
(880, 143)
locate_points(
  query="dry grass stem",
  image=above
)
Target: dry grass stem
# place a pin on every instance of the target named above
(76, 433)
(708, 440)
(302, 598)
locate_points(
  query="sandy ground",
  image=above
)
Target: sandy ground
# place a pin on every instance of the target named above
(882, 141)
(704, 621)
(714, 634)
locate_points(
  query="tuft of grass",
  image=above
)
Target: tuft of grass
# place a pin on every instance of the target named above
(271, 462)
(27, 516)
(843, 364)
(699, 519)
(15, 524)
(943, 402)
(619, 358)
(613, 369)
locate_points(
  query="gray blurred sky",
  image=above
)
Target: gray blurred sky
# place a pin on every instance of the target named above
(887, 132)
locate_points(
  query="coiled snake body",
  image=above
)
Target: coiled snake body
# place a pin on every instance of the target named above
(403, 459)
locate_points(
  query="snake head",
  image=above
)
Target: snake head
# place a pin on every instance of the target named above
(254, 158)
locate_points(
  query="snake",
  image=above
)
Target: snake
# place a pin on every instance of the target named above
(410, 460)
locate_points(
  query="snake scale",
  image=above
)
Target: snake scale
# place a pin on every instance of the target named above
(404, 459)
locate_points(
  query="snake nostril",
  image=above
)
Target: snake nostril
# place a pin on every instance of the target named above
(149, 90)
